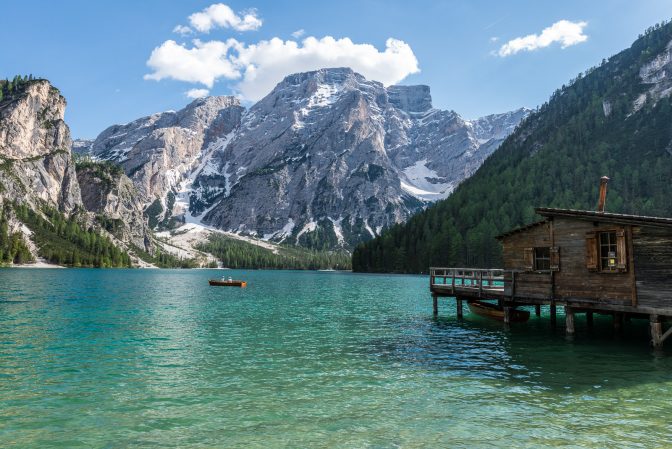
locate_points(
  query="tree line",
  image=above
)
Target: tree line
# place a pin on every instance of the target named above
(240, 254)
(13, 248)
(10, 87)
(64, 241)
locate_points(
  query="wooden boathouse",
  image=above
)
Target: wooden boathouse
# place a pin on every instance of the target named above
(586, 261)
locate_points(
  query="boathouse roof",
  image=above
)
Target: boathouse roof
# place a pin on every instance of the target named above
(590, 215)
(521, 229)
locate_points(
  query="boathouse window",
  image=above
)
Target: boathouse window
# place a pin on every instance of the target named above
(605, 251)
(608, 251)
(542, 259)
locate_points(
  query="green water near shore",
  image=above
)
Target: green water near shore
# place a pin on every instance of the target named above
(157, 358)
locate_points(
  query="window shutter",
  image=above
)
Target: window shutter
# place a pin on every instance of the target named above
(621, 251)
(529, 259)
(555, 258)
(591, 251)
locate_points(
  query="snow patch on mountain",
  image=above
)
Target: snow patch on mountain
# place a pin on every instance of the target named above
(424, 182)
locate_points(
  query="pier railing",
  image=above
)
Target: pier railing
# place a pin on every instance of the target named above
(479, 280)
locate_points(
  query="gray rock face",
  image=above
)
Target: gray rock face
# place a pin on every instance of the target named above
(111, 194)
(656, 76)
(35, 159)
(310, 158)
(327, 159)
(157, 151)
(329, 156)
(441, 149)
(411, 99)
(82, 147)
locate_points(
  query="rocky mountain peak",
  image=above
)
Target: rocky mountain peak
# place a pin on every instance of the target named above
(158, 151)
(32, 121)
(326, 159)
(411, 99)
(35, 147)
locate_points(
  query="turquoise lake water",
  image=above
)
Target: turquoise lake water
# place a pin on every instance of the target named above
(157, 358)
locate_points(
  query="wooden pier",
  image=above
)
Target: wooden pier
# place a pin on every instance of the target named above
(473, 284)
(585, 261)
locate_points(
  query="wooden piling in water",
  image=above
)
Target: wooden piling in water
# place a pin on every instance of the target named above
(459, 308)
(589, 319)
(553, 314)
(435, 300)
(507, 315)
(569, 320)
(537, 310)
(656, 331)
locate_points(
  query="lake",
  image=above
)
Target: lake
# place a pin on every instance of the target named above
(157, 358)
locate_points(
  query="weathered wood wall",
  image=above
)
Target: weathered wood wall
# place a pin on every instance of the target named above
(653, 266)
(529, 284)
(574, 280)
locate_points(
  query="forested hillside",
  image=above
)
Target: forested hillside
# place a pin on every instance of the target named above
(66, 241)
(614, 120)
(239, 254)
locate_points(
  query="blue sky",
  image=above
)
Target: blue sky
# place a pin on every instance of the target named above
(97, 52)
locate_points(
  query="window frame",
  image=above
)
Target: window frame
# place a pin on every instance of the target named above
(546, 258)
(609, 245)
(620, 244)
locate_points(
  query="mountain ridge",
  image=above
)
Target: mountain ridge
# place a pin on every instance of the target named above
(262, 174)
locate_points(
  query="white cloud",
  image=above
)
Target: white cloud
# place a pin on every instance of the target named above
(181, 29)
(494, 39)
(298, 33)
(221, 15)
(268, 62)
(197, 93)
(563, 31)
(203, 63)
(259, 67)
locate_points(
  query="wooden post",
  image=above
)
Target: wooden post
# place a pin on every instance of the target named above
(553, 310)
(507, 315)
(589, 319)
(459, 308)
(435, 300)
(537, 310)
(569, 320)
(656, 331)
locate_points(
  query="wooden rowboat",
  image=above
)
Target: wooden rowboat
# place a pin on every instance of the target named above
(227, 283)
(495, 312)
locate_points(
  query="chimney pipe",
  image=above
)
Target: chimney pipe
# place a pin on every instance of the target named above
(603, 193)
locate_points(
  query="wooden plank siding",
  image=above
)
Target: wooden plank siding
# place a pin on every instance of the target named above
(575, 280)
(653, 266)
(529, 284)
(578, 279)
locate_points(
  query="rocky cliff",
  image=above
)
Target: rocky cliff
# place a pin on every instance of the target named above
(38, 176)
(112, 196)
(35, 160)
(158, 151)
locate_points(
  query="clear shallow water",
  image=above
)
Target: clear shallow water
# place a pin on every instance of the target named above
(157, 358)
